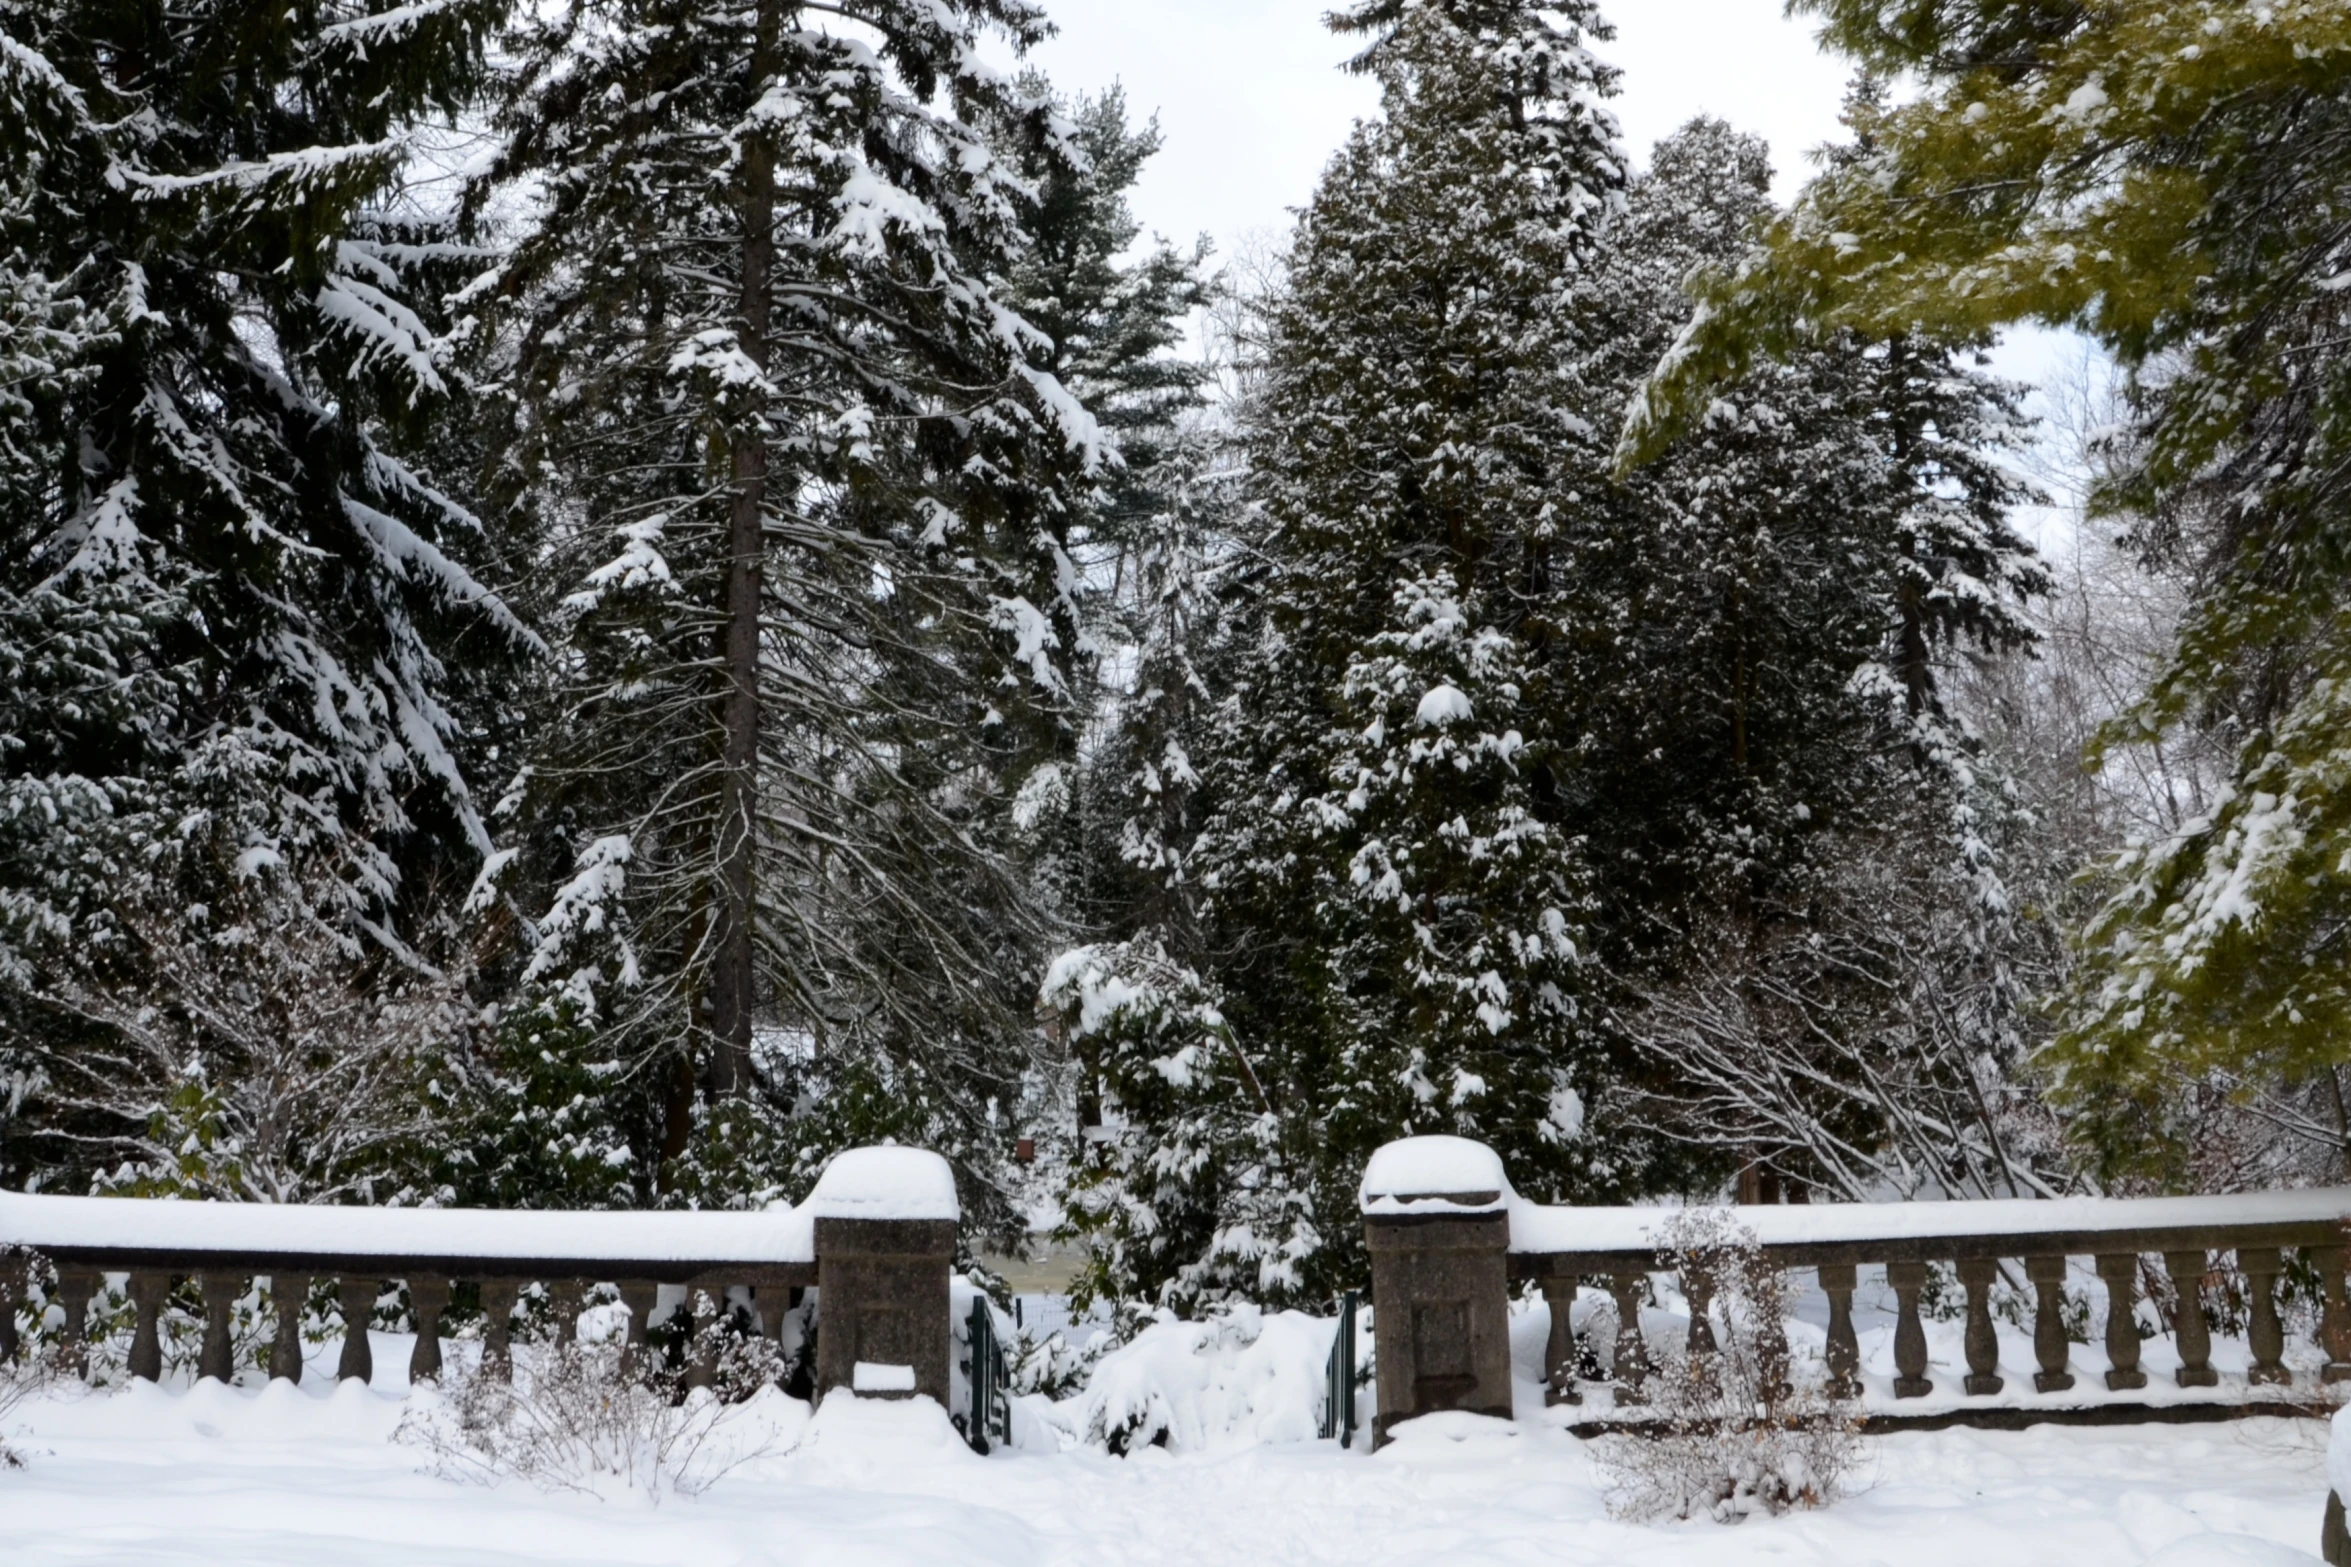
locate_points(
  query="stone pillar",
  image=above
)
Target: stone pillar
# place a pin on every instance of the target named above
(1441, 1285)
(882, 1289)
(12, 1289)
(638, 1297)
(1843, 1352)
(358, 1298)
(2048, 1279)
(2334, 1540)
(1559, 1353)
(1910, 1338)
(427, 1299)
(2120, 1273)
(2265, 1334)
(218, 1358)
(2188, 1325)
(1983, 1345)
(147, 1293)
(2335, 1325)
(290, 1293)
(1630, 1366)
(499, 1298)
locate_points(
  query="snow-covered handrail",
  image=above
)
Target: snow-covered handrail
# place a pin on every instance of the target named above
(879, 1223)
(1426, 1197)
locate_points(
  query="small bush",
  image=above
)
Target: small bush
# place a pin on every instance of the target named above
(584, 1417)
(1745, 1428)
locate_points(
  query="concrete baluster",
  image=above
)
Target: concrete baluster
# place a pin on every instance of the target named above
(1559, 1350)
(1910, 1339)
(428, 1298)
(74, 1291)
(2120, 1273)
(2189, 1327)
(1983, 1344)
(1631, 1367)
(1843, 1352)
(147, 1294)
(639, 1296)
(358, 1299)
(1698, 1291)
(218, 1358)
(2335, 1322)
(703, 1317)
(2265, 1334)
(2049, 1348)
(12, 1289)
(498, 1302)
(290, 1294)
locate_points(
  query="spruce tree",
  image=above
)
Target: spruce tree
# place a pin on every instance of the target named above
(806, 491)
(1798, 839)
(2168, 181)
(1391, 901)
(239, 632)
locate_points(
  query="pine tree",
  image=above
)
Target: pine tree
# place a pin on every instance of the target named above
(1391, 901)
(1799, 841)
(239, 633)
(2169, 182)
(806, 492)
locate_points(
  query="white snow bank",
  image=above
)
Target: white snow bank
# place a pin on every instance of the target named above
(1237, 1380)
(2339, 1454)
(1404, 1176)
(860, 1183)
(2228, 1550)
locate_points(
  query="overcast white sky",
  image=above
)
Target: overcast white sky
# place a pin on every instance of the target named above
(1252, 101)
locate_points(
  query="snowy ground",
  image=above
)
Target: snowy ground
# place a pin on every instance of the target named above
(220, 1475)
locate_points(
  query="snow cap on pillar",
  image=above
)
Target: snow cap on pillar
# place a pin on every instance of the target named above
(1434, 1175)
(885, 1183)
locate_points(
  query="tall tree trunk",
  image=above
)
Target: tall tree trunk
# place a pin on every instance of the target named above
(734, 967)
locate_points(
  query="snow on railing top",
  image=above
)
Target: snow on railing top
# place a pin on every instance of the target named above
(861, 1183)
(1439, 1175)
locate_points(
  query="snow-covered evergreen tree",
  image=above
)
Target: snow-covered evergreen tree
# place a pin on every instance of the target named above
(805, 489)
(238, 627)
(1391, 901)
(1799, 842)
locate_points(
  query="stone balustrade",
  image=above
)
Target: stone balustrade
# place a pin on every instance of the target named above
(1448, 1238)
(876, 1239)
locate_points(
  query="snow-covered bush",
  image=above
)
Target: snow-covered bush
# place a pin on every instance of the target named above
(1240, 1377)
(581, 1417)
(1743, 1428)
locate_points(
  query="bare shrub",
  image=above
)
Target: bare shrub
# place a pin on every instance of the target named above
(1743, 1427)
(590, 1418)
(27, 1370)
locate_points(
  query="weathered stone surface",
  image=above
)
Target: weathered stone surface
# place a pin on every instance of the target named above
(883, 1299)
(1440, 1285)
(2049, 1348)
(1910, 1339)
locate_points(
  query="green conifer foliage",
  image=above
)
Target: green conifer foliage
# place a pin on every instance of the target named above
(241, 628)
(2170, 179)
(806, 489)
